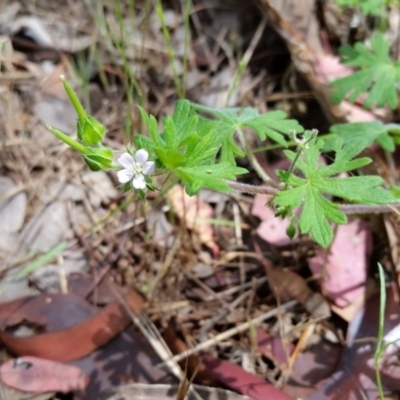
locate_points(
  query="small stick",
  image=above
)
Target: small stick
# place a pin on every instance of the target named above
(231, 332)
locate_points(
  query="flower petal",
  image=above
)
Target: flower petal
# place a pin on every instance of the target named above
(149, 168)
(139, 182)
(141, 156)
(126, 160)
(124, 175)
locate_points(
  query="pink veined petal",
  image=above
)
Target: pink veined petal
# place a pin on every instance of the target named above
(149, 168)
(139, 182)
(126, 160)
(141, 156)
(124, 175)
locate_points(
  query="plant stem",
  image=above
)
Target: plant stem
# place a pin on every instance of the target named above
(345, 208)
(379, 345)
(253, 161)
(252, 189)
(369, 209)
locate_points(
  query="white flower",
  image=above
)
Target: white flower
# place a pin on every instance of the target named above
(134, 168)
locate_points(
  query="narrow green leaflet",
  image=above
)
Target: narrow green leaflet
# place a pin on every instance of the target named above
(308, 191)
(272, 124)
(378, 75)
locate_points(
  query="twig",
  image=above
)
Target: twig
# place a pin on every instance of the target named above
(231, 332)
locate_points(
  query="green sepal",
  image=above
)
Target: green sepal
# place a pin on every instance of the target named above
(80, 148)
(99, 158)
(90, 131)
(74, 99)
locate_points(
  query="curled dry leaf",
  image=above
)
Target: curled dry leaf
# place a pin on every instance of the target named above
(32, 374)
(288, 285)
(236, 378)
(73, 342)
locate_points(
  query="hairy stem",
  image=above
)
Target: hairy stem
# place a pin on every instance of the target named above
(253, 161)
(345, 208)
(252, 189)
(369, 209)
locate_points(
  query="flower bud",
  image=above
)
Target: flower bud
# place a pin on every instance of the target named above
(99, 158)
(90, 131)
(291, 230)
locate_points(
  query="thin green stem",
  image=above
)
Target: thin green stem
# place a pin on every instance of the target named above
(188, 5)
(292, 143)
(379, 344)
(301, 146)
(252, 159)
(369, 208)
(243, 63)
(170, 49)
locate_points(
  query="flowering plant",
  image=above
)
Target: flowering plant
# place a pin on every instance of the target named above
(199, 145)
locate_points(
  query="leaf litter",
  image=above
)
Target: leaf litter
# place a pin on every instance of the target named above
(192, 259)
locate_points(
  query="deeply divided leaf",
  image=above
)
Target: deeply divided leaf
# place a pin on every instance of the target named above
(229, 121)
(317, 180)
(378, 76)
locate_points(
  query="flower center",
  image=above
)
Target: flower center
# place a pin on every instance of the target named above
(137, 169)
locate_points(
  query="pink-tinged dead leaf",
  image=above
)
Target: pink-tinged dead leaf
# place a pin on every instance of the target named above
(243, 382)
(271, 229)
(344, 267)
(328, 68)
(355, 113)
(312, 367)
(37, 375)
(194, 212)
(273, 347)
(355, 377)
